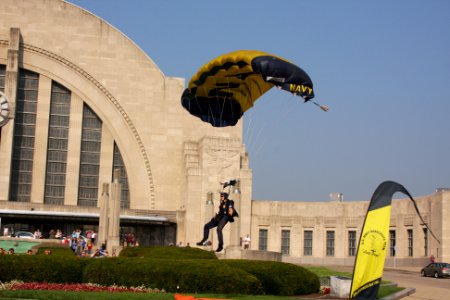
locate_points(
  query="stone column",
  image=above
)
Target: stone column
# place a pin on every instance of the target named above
(103, 219)
(7, 134)
(73, 154)
(40, 149)
(12, 67)
(113, 245)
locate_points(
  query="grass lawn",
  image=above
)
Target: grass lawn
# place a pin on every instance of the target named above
(62, 295)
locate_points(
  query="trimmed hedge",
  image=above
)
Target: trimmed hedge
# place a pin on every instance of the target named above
(174, 253)
(279, 278)
(185, 276)
(174, 274)
(60, 250)
(36, 268)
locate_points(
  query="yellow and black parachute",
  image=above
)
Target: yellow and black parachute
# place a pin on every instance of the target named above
(223, 89)
(371, 254)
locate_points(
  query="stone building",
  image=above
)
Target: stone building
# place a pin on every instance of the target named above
(328, 232)
(81, 100)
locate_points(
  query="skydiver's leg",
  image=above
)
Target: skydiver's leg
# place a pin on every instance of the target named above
(220, 226)
(211, 224)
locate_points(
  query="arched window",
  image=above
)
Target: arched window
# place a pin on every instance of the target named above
(118, 164)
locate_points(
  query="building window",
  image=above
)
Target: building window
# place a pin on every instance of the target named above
(91, 136)
(410, 242)
(24, 136)
(330, 242)
(118, 164)
(392, 242)
(263, 235)
(308, 243)
(351, 243)
(425, 241)
(58, 138)
(285, 241)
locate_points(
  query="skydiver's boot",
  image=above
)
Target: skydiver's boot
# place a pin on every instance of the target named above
(220, 248)
(201, 243)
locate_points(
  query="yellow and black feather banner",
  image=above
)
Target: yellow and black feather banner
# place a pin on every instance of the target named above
(371, 254)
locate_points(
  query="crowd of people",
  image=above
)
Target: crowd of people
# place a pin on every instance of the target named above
(83, 244)
(10, 251)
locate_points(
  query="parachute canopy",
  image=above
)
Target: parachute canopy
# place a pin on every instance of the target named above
(223, 89)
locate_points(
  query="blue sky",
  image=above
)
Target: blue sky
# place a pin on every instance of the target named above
(383, 68)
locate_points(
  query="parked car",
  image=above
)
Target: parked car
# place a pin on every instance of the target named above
(24, 235)
(436, 269)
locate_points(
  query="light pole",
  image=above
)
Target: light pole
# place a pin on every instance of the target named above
(210, 213)
(237, 222)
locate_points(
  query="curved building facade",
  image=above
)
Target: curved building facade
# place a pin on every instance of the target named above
(83, 101)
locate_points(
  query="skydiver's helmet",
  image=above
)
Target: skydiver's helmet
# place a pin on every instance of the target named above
(225, 195)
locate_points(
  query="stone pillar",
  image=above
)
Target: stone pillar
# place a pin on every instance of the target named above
(73, 153)
(7, 134)
(40, 149)
(12, 67)
(113, 245)
(103, 219)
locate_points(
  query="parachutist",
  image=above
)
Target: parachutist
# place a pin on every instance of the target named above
(226, 214)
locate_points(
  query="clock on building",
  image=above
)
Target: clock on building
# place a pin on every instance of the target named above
(4, 109)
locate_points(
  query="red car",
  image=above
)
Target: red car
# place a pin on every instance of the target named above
(436, 269)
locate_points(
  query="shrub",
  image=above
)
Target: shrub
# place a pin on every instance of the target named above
(174, 253)
(138, 266)
(61, 250)
(186, 276)
(279, 278)
(36, 268)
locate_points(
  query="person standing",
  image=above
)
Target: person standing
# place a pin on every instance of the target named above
(37, 234)
(226, 214)
(247, 242)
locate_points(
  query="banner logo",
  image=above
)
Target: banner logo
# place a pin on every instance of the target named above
(373, 243)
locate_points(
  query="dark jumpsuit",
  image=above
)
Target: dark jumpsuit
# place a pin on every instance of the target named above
(220, 220)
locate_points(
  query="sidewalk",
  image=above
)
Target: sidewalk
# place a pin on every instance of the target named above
(405, 269)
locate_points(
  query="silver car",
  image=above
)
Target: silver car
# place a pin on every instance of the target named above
(436, 269)
(24, 235)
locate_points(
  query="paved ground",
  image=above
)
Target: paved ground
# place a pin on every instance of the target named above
(427, 288)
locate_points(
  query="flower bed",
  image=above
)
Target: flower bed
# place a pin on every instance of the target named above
(74, 287)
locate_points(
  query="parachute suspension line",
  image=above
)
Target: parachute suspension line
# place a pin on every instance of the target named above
(211, 113)
(277, 122)
(249, 126)
(258, 142)
(221, 105)
(198, 104)
(254, 142)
